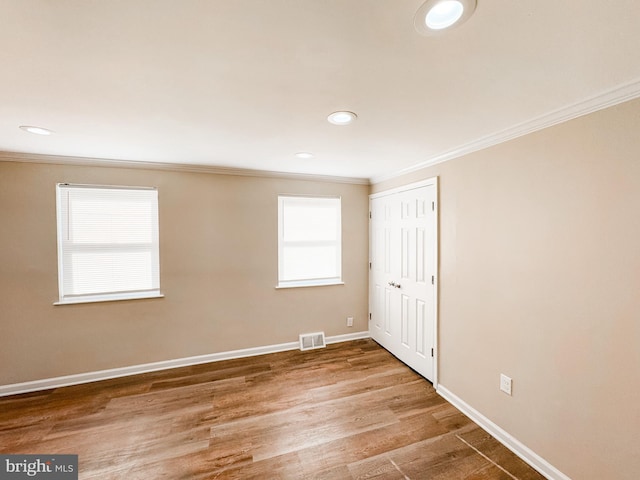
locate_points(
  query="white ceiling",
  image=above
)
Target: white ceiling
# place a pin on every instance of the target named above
(248, 83)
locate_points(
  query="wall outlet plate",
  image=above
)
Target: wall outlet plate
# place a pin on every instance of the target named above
(349, 321)
(505, 384)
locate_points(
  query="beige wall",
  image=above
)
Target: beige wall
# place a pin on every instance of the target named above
(218, 255)
(540, 280)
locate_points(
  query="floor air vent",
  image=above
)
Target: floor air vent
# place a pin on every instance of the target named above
(309, 341)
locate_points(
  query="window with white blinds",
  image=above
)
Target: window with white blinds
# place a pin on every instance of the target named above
(309, 241)
(108, 243)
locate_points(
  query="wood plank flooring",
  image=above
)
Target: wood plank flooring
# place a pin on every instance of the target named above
(350, 411)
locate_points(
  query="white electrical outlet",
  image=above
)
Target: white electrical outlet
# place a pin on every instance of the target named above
(349, 321)
(505, 384)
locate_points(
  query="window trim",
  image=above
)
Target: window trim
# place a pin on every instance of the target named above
(321, 282)
(308, 282)
(110, 297)
(70, 299)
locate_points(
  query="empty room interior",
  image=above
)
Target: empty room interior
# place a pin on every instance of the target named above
(338, 239)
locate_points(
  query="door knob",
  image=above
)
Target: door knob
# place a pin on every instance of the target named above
(397, 285)
(392, 283)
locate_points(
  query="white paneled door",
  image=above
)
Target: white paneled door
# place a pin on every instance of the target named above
(402, 274)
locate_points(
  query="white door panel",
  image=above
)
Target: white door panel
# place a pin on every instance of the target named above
(403, 263)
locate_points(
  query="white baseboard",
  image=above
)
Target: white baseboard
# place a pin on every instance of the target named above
(517, 447)
(77, 379)
(347, 337)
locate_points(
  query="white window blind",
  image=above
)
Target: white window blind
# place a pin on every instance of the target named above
(108, 243)
(309, 241)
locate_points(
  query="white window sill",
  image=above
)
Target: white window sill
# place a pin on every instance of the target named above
(109, 298)
(309, 283)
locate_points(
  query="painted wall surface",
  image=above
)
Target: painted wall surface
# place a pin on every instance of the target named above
(540, 280)
(218, 258)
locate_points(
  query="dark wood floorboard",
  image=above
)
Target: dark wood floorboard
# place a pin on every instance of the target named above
(349, 411)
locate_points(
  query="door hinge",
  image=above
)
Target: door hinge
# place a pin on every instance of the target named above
(433, 280)
(369, 214)
(369, 316)
(433, 206)
(432, 352)
(369, 265)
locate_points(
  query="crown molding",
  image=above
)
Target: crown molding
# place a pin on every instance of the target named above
(173, 167)
(609, 98)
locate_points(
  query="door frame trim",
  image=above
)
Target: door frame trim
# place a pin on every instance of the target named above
(433, 181)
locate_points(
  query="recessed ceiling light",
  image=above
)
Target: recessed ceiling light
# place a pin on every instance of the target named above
(436, 16)
(342, 118)
(444, 14)
(36, 130)
(305, 155)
